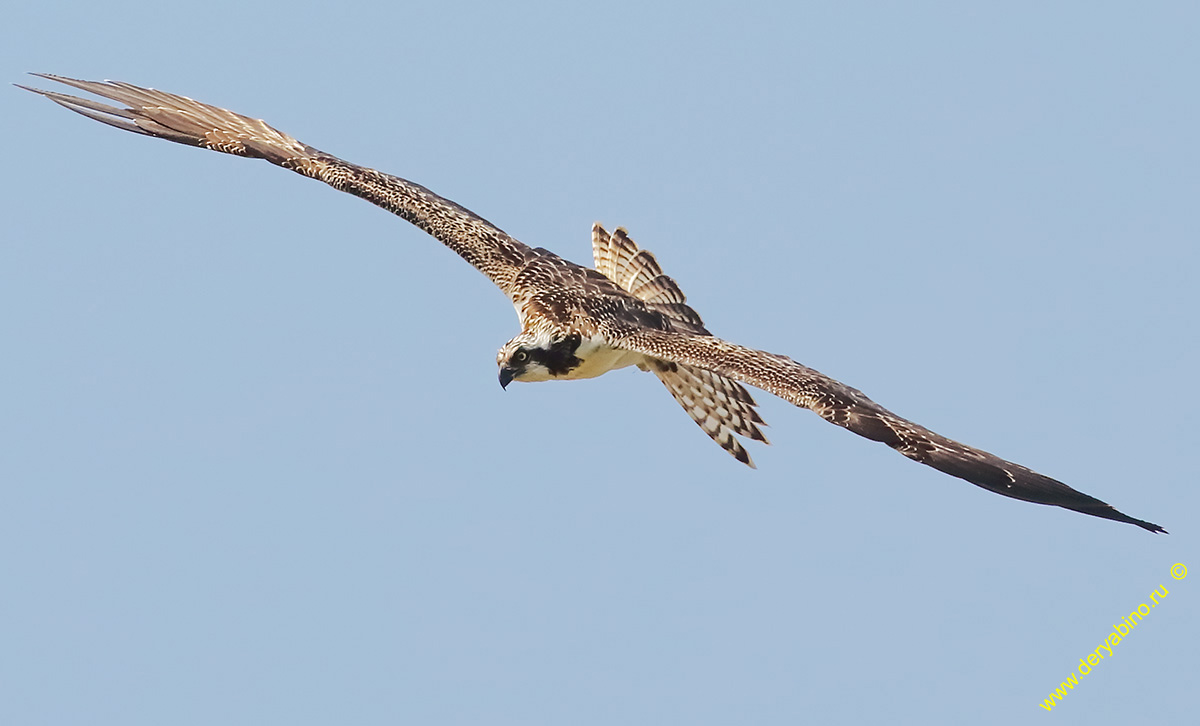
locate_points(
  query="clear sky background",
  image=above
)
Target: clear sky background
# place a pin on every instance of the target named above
(256, 467)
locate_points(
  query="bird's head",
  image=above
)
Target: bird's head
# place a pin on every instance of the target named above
(537, 356)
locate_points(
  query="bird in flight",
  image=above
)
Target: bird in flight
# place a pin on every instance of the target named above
(578, 322)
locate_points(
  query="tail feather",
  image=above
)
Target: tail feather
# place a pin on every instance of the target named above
(723, 408)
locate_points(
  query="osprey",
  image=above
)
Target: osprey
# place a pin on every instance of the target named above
(578, 322)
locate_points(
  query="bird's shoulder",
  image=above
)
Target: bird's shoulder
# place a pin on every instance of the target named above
(571, 295)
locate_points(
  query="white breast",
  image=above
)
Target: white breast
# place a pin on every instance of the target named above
(599, 358)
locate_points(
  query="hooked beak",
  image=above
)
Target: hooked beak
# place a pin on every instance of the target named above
(506, 376)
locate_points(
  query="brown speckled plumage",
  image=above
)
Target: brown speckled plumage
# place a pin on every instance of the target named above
(722, 408)
(578, 322)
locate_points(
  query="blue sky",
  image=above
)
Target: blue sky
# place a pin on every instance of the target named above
(257, 468)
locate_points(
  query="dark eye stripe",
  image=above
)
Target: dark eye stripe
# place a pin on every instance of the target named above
(559, 358)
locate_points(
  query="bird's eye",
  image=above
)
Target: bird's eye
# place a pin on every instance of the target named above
(520, 356)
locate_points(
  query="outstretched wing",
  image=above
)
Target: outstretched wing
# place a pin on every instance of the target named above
(722, 408)
(850, 408)
(182, 120)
